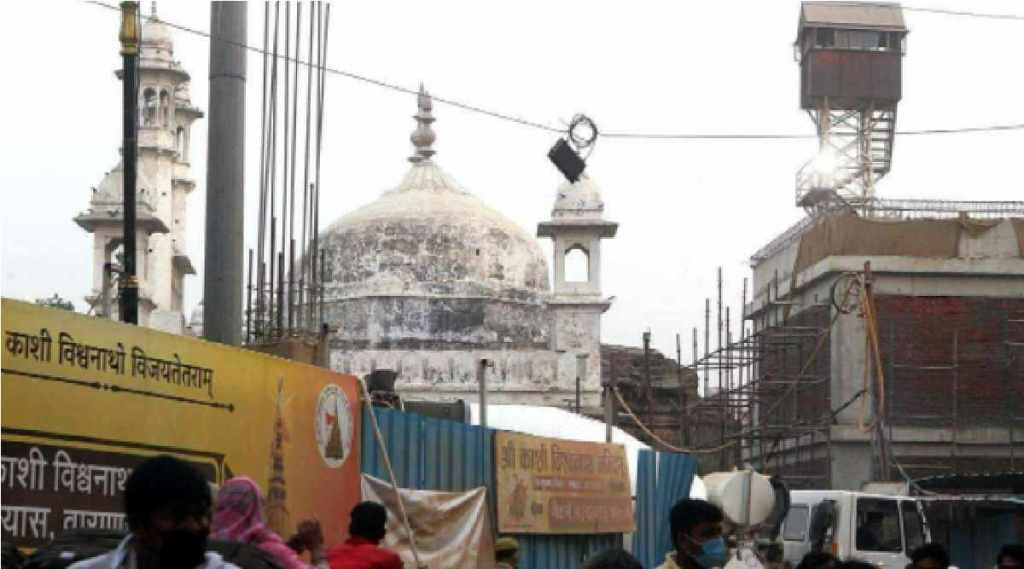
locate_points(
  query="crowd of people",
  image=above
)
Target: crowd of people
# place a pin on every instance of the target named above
(697, 534)
(176, 522)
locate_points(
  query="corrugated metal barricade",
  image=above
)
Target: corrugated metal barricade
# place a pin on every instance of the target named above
(974, 528)
(662, 479)
(431, 454)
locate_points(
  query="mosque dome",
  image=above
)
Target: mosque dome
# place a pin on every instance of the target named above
(578, 200)
(155, 33)
(442, 258)
(429, 236)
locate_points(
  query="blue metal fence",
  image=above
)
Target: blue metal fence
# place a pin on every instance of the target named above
(431, 454)
(644, 540)
(663, 478)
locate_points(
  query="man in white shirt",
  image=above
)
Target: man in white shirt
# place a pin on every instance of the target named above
(167, 505)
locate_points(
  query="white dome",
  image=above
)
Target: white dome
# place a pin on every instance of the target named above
(428, 264)
(581, 199)
(429, 236)
(156, 33)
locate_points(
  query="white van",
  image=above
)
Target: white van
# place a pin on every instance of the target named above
(876, 528)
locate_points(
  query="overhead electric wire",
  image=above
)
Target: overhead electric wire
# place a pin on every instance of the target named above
(990, 128)
(706, 136)
(359, 77)
(606, 134)
(781, 136)
(965, 13)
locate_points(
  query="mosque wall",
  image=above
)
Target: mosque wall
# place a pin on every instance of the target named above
(521, 377)
(436, 323)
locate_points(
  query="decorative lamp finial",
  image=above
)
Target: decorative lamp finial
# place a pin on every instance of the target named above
(423, 137)
(152, 9)
(129, 34)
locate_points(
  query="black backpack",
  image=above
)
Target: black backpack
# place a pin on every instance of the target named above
(76, 545)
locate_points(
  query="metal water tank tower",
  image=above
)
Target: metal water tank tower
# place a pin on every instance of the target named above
(851, 58)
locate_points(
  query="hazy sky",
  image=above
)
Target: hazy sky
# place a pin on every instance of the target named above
(684, 208)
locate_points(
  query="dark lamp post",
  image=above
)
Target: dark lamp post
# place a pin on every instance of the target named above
(129, 37)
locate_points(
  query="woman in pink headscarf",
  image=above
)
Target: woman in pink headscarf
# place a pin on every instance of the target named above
(238, 516)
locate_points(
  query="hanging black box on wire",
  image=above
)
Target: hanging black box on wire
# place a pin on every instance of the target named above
(566, 160)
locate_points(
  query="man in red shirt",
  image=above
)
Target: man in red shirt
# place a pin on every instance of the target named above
(362, 550)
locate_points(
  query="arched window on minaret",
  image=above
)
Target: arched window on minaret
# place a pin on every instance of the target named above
(179, 143)
(114, 251)
(577, 264)
(149, 107)
(165, 108)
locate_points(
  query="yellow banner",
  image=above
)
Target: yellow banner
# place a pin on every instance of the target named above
(85, 399)
(555, 486)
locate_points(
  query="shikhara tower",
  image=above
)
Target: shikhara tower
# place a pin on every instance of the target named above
(164, 182)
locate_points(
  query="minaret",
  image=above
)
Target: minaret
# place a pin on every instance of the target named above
(577, 227)
(164, 183)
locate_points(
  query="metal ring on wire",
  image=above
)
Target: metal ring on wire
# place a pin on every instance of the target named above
(582, 133)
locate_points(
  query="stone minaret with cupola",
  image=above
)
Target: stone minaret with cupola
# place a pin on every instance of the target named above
(166, 115)
(576, 304)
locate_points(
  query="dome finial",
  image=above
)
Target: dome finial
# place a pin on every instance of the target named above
(152, 9)
(423, 137)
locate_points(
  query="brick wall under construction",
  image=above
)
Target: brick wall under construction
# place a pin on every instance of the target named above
(952, 363)
(956, 363)
(952, 359)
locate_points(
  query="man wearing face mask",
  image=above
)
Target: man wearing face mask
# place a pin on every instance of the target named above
(167, 505)
(696, 530)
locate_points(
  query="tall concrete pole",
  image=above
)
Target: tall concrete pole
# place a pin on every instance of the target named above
(225, 167)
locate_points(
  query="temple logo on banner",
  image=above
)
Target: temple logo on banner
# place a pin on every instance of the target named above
(555, 486)
(333, 426)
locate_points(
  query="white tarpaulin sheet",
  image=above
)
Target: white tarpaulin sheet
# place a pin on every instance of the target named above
(451, 528)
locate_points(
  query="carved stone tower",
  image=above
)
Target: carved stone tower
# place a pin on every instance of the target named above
(577, 227)
(164, 183)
